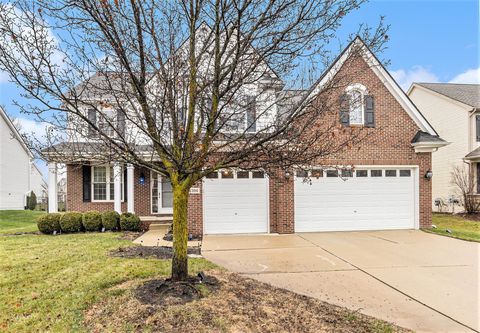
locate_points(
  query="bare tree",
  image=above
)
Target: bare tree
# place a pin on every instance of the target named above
(462, 178)
(195, 84)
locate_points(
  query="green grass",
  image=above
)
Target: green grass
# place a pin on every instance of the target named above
(46, 282)
(13, 221)
(460, 227)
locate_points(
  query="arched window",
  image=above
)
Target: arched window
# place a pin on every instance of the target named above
(356, 93)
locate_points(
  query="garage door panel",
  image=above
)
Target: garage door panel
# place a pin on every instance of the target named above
(366, 203)
(235, 205)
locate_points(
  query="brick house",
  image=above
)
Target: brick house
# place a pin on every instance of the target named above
(381, 183)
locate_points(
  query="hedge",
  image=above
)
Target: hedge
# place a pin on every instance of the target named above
(92, 220)
(129, 222)
(48, 223)
(111, 220)
(71, 222)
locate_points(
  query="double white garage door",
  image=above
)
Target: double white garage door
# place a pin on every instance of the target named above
(364, 199)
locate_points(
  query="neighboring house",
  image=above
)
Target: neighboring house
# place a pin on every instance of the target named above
(454, 111)
(18, 173)
(387, 189)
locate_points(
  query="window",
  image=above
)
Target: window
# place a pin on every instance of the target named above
(361, 173)
(212, 175)
(332, 173)
(477, 127)
(356, 107)
(375, 173)
(317, 173)
(390, 173)
(227, 174)
(103, 185)
(162, 194)
(258, 174)
(242, 174)
(405, 173)
(347, 173)
(302, 174)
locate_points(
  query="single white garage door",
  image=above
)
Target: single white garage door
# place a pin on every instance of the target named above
(235, 202)
(364, 199)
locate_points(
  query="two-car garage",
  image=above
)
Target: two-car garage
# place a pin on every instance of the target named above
(367, 198)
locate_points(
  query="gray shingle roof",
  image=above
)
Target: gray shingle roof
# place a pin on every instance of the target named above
(466, 93)
(426, 137)
(473, 154)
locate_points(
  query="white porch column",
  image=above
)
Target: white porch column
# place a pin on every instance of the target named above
(130, 189)
(52, 188)
(117, 187)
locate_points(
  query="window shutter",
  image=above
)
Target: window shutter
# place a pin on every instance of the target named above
(92, 117)
(369, 111)
(251, 115)
(125, 185)
(87, 183)
(121, 122)
(477, 118)
(344, 110)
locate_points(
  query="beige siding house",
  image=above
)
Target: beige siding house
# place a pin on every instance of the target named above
(454, 111)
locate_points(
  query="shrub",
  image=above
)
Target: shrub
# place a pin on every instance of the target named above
(129, 222)
(92, 221)
(71, 222)
(48, 223)
(110, 220)
(32, 201)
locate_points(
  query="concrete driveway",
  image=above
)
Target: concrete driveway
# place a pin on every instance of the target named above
(417, 280)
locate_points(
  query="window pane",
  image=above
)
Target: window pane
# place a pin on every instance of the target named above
(317, 173)
(242, 174)
(111, 174)
(301, 173)
(227, 174)
(376, 173)
(155, 194)
(167, 194)
(332, 173)
(356, 107)
(405, 173)
(99, 174)
(100, 191)
(362, 173)
(258, 174)
(112, 189)
(390, 173)
(347, 173)
(212, 175)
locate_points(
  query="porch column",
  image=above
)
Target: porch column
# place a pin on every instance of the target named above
(117, 187)
(52, 188)
(130, 189)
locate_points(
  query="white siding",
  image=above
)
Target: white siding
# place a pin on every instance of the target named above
(451, 121)
(14, 169)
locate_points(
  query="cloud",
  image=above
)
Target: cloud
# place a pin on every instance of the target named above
(416, 74)
(3, 76)
(34, 130)
(469, 76)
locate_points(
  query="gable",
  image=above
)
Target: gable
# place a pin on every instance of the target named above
(356, 48)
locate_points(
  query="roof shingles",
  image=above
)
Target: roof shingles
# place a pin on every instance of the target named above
(465, 93)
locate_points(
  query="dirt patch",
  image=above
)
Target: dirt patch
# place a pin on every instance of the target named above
(235, 304)
(130, 235)
(166, 293)
(23, 233)
(159, 252)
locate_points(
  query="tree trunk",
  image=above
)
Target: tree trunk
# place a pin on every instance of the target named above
(180, 233)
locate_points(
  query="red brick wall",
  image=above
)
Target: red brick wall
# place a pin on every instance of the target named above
(195, 212)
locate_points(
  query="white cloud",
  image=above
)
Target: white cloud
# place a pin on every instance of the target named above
(416, 74)
(3, 76)
(35, 130)
(469, 76)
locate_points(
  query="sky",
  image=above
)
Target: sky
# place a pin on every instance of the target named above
(429, 41)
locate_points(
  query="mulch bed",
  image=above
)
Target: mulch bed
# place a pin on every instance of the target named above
(470, 217)
(232, 303)
(159, 252)
(23, 233)
(130, 235)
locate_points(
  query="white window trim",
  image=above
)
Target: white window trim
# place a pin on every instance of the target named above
(360, 88)
(107, 170)
(161, 209)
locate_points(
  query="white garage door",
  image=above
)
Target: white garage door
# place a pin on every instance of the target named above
(235, 202)
(366, 199)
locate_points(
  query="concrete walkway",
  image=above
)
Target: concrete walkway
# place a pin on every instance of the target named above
(424, 282)
(154, 237)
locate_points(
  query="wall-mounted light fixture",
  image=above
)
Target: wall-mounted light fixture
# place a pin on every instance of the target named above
(142, 179)
(428, 174)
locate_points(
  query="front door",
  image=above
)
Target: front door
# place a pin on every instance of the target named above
(162, 195)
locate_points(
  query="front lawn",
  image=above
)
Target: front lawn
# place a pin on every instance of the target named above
(17, 221)
(459, 226)
(47, 282)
